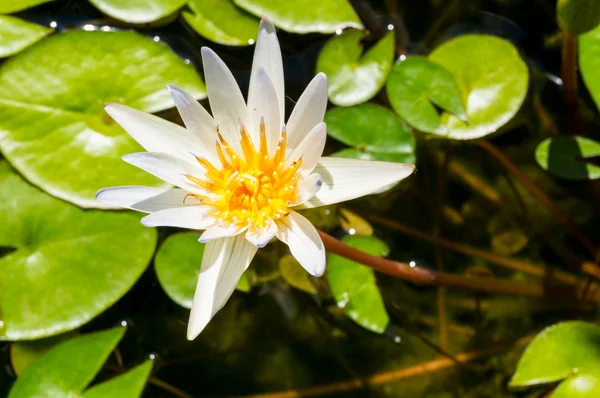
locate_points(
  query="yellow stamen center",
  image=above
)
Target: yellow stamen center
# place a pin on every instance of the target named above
(252, 188)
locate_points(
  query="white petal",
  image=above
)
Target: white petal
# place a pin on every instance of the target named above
(304, 242)
(197, 120)
(126, 196)
(190, 217)
(168, 168)
(310, 149)
(174, 197)
(153, 133)
(308, 187)
(223, 263)
(267, 55)
(308, 112)
(218, 232)
(346, 179)
(262, 105)
(261, 238)
(226, 101)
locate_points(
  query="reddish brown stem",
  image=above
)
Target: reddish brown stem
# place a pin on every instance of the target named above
(569, 79)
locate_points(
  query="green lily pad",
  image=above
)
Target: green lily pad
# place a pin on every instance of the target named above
(67, 369)
(415, 85)
(24, 353)
(579, 386)
(69, 264)
(207, 18)
(354, 286)
(53, 127)
(493, 80)
(16, 34)
(562, 156)
(355, 78)
(295, 275)
(589, 62)
(372, 130)
(177, 265)
(138, 11)
(578, 16)
(305, 16)
(10, 6)
(558, 352)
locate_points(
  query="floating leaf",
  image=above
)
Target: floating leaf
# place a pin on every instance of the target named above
(67, 369)
(372, 129)
(354, 286)
(69, 264)
(578, 16)
(305, 16)
(295, 275)
(558, 352)
(138, 11)
(16, 34)
(415, 85)
(24, 353)
(207, 18)
(353, 153)
(579, 386)
(589, 62)
(354, 224)
(563, 157)
(177, 266)
(510, 242)
(53, 127)
(10, 6)
(493, 80)
(355, 78)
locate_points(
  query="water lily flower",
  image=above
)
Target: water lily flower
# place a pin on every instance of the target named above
(241, 174)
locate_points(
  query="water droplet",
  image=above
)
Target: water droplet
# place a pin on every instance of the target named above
(412, 264)
(351, 231)
(53, 24)
(251, 41)
(338, 31)
(156, 38)
(402, 57)
(390, 27)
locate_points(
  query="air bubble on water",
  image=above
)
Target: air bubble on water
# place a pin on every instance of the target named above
(338, 31)
(390, 27)
(124, 323)
(351, 231)
(412, 264)
(53, 24)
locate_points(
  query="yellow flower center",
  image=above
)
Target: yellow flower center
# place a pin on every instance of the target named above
(252, 189)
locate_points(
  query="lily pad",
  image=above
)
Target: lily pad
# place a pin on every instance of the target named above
(579, 386)
(305, 16)
(558, 352)
(138, 11)
(207, 18)
(371, 129)
(68, 264)
(53, 127)
(493, 80)
(16, 34)
(578, 16)
(415, 85)
(354, 224)
(589, 62)
(354, 286)
(24, 353)
(295, 275)
(177, 266)
(10, 6)
(355, 78)
(67, 369)
(563, 157)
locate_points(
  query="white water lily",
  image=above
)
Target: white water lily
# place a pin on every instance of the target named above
(242, 173)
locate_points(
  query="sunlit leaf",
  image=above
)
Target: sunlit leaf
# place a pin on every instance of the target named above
(563, 157)
(372, 129)
(10, 6)
(207, 18)
(177, 266)
(69, 264)
(578, 16)
(53, 127)
(295, 275)
(138, 11)
(24, 353)
(354, 224)
(355, 78)
(305, 16)
(128, 385)
(16, 34)
(579, 386)
(493, 80)
(558, 352)
(589, 62)
(354, 286)
(415, 85)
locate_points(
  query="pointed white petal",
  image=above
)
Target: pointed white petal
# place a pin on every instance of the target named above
(308, 187)
(174, 197)
(197, 120)
(310, 149)
(261, 238)
(126, 196)
(267, 55)
(226, 100)
(308, 112)
(190, 217)
(153, 133)
(218, 232)
(223, 263)
(262, 105)
(304, 242)
(168, 168)
(346, 179)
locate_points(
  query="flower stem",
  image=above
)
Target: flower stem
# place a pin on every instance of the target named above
(569, 79)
